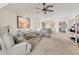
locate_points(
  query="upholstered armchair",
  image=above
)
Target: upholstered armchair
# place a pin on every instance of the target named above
(10, 48)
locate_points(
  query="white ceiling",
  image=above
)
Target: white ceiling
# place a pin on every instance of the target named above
(61, 10)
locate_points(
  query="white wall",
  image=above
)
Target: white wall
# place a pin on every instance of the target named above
(62, 12)
(10, 18)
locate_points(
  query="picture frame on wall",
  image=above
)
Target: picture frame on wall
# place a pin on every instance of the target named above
(23, 22)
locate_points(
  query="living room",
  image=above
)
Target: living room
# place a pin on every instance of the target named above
(36, 27)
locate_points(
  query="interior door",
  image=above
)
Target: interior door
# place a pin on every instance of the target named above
(62, 26)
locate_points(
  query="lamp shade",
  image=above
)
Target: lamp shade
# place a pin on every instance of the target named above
(7, 28)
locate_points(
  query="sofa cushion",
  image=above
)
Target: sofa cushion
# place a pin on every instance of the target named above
(27, 36)
(8, 39)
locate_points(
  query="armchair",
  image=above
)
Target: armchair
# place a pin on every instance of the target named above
(8, 46)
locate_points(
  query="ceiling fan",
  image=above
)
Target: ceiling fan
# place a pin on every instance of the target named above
(46, 8)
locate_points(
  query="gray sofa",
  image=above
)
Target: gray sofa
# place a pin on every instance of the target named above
(46, 32)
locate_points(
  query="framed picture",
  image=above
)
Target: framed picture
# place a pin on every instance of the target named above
(23, 22)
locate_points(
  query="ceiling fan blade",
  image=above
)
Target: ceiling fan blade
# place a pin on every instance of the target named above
(49, 6)
(50, 10)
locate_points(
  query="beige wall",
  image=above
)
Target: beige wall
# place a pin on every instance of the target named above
(10, 18)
